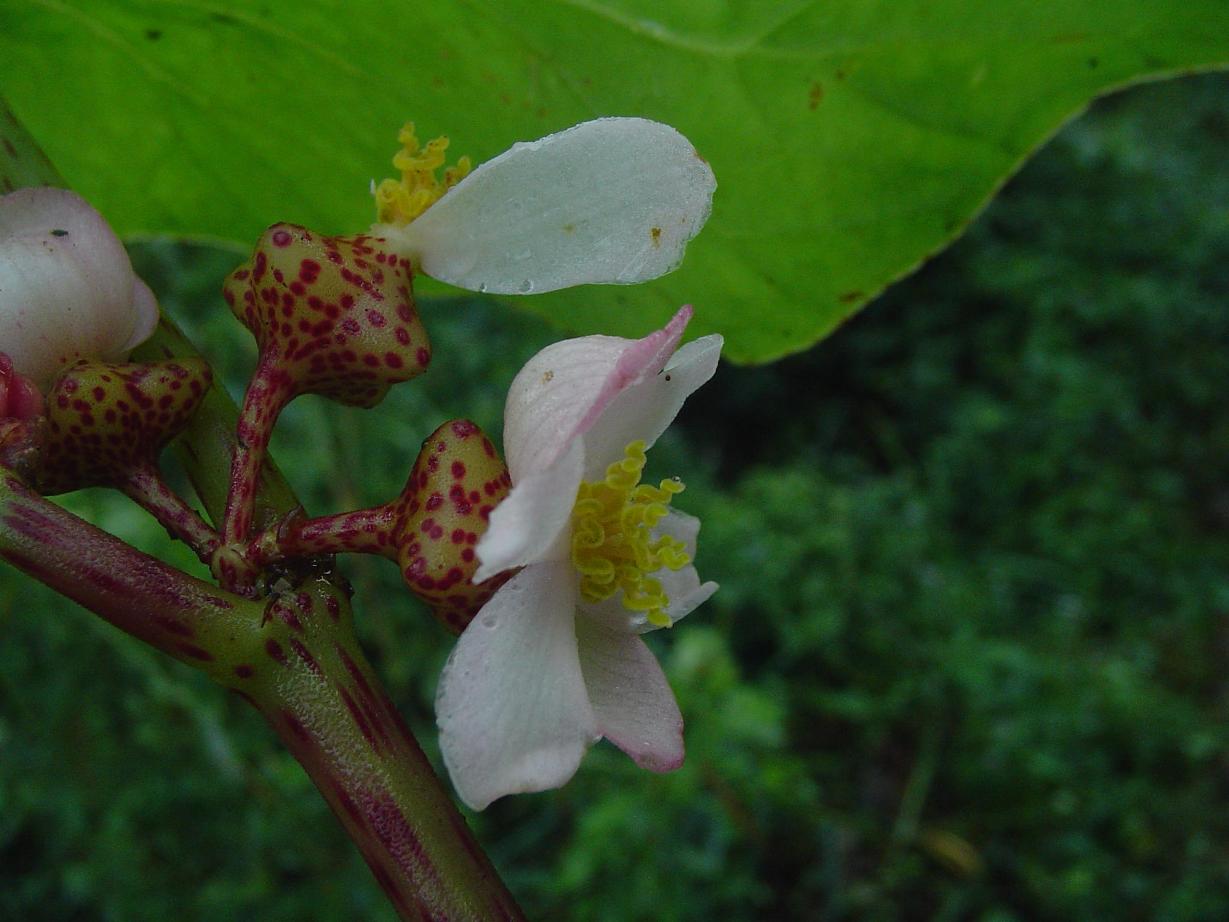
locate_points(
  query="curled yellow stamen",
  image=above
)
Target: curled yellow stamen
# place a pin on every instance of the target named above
(401, 201)
(613, 546)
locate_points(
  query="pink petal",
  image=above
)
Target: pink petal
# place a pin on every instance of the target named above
(512, 708)
(644, 410)
(633, 702)
(563, 390)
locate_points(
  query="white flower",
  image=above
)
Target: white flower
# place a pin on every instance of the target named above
(67, 289)
(611, 201)
(554, 660)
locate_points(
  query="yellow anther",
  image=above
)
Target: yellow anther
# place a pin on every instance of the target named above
(613, 546)
(401, 201)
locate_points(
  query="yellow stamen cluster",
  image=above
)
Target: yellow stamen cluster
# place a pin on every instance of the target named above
(613, 546)
(401, 201)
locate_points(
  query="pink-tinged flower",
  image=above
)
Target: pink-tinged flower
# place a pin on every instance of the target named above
(67, 289)
(610, 201)
(554, 660)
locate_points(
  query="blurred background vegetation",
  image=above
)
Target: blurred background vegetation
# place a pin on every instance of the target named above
(969, 656)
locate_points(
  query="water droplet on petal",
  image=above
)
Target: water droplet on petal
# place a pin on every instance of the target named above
(525, 287)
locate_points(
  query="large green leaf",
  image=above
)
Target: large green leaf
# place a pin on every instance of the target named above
(850, 138)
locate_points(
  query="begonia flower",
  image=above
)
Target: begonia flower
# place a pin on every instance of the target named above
(554, 660)
(67, 289)
(609, 201)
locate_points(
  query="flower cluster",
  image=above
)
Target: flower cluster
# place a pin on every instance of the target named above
(549, 568)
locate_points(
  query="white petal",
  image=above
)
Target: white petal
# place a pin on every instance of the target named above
(608, 201)
(644, 410)
(683, 587)
(530, 525)
(564, 389)
(631, 698)
(513, 712)
(145, 315)
(67, 290)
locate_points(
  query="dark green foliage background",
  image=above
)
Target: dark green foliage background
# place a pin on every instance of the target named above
(968, 660)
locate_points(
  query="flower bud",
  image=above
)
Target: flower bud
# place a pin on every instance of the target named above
(67, 289)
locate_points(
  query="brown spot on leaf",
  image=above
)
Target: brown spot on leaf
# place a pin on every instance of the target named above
(816, 96)
(850, 297)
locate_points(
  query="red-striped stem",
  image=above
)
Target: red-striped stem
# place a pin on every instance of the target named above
(145, 486)
(267, 395)
(366, 531)
(295, 658)
(312, 683)
(185, 617)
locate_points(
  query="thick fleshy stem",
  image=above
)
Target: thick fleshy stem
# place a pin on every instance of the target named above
(295, 658)
(312, 683)
(145, 486)
(182, 616)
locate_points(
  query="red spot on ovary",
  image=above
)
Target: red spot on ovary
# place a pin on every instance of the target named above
(281, 238)
(458, 470)
(244, 671)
